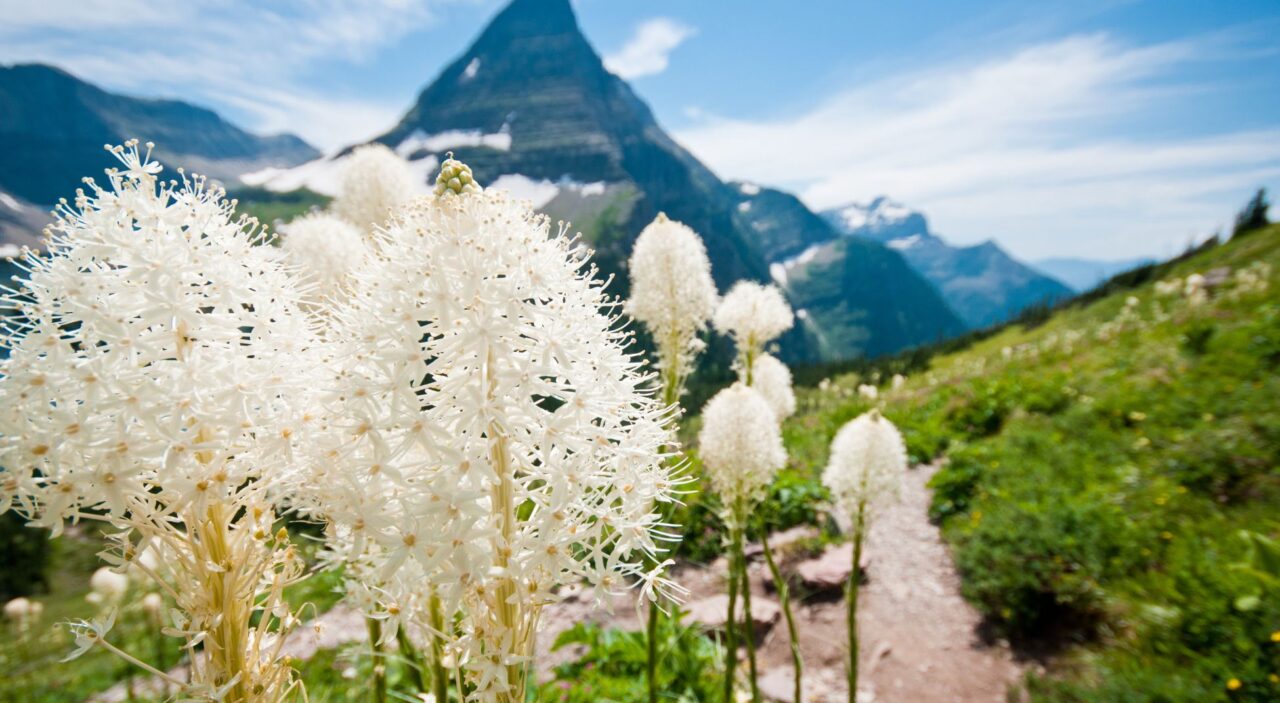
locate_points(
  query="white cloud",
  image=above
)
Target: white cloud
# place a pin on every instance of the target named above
(1014, 148)
(648, 51)
(248, 55)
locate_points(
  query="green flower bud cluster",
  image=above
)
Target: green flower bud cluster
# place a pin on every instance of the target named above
(455, 177)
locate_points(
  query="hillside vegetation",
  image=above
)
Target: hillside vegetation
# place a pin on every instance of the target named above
(1111, 478)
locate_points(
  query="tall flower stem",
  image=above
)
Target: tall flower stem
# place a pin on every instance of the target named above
(229, 639)
(731, 621)
(784, 595)
(671, 386)
(439, 677)
(379, 692)
(748, 621)
(504, 502)
(413, 657)
(851, 598)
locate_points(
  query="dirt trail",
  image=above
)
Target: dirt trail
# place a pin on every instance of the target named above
(919, 640)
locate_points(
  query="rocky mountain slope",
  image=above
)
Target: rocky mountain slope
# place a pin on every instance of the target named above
(531, 107)
(53, 126)
(982, 283)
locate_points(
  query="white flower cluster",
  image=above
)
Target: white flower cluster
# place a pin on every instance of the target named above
(153, 361)
(868, 458)
(23, 613)
(375, 182)
(753, 315)
(487, 424)
(328, 250)
(672, 293)
(868, 391)
(772, 379)
(1253, 279)
(741, 448)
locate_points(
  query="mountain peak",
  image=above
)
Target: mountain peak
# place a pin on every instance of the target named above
(882, 219)
(531, 18)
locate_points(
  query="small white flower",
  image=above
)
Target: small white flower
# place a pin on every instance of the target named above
(375, 183)
(753, 315)
(772, 379)
(89, 634)
(868, 459)
(108, 587)
(328, 250)
(868, 391)
(741, 448)
(672, 292)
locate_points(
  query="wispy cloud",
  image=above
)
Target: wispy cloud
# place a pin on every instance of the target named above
(648, 51)
(1015, 147)
(246, 54)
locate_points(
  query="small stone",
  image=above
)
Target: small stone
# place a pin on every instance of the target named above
(712, 612)
(829, 571)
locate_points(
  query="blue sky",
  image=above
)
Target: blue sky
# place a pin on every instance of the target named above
(1093, 128)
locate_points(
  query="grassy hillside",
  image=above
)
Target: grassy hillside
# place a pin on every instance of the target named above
(1112, 480)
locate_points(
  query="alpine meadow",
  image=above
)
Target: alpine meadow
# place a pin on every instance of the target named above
(649, 353)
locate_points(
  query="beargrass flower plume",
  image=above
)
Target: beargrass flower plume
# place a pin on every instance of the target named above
(375, 183)
(488, 424)
(673, 295)
(156, 351)
(868, 459)
(753, 315)
(327, 250)
(741, 449)
(772, 379)
(107, 587)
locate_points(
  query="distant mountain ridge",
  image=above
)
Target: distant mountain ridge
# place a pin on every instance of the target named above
(982, 282)
(532, 109)
(53, 126)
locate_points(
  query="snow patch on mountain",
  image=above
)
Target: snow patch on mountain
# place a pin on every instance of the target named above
(781, 269)
(538, 193)
(324, 175)
(904, 243)
(542, 191)
(453, 139)
(471, 70)
(749, 189)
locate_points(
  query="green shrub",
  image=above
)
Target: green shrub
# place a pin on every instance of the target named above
(612, 665)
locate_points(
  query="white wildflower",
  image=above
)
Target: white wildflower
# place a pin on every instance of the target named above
(1168, 287)
(489, 425)
(672, 294)
(772, 379)
(868, 459)
(23, 612)
(327, 250)
(753, 315)
(898, 381)
(153, 606)
(1195, 289)
(868, 391)
(156, 353)
(375, 183)
(741, 449)
(107, 587)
